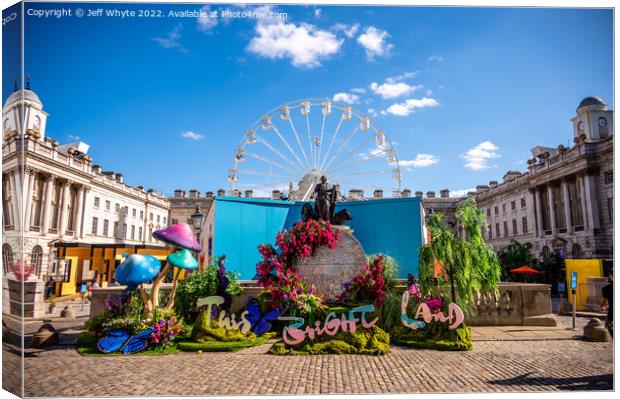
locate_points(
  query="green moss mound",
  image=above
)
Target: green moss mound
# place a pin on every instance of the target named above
(372, 341)
(209, 331)
(435, 336)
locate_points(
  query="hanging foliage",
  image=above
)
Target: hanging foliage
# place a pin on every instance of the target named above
(459, 257)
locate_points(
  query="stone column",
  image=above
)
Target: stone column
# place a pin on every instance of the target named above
(584, 203)
(64, 210)
(31, 176)
(552, 209)
(79, 212)
(15, 200)
(567, 213)
(592, 201)
(47, 210)
(540, 230)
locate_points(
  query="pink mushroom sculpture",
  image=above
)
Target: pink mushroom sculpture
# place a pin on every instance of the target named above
(182, 240)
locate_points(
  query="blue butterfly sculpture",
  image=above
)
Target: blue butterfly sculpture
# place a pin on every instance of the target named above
(261, 323)
(121, 340)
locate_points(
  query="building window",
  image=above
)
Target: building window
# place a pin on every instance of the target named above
(124, 236)
(73, 211)
(609, 177)
(496, 211)
(546, 215)
(574, 193)
(524, 222)
(513, 205)
(56, 204)
(106, 223)
(7, 212)
(133, 212)
(141, 215)
(94, 228)
(107, 205)
(117, 208)
(522, 202)
(497, 230)
(116, 232)
(36, 259)
(158, 219)
(140, 233)
(489, 212)
(133, 232)
(503, 208)
(164, 220)
(7, 257)
(505, 228)
(514, 227)
(577, 251)
(97, 202)
(610, 209)
(490, 232)
(37, 203)
(174, 221)
(558, 207)
(151, 216)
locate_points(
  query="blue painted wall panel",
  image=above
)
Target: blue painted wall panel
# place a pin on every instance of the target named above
(390, 226)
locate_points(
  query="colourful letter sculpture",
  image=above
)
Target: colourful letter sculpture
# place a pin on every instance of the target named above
(454, 317)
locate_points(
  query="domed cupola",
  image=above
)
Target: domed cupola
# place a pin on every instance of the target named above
(33, 116)
(594, 121)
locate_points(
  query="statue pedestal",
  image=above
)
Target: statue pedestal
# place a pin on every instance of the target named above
(329, 268)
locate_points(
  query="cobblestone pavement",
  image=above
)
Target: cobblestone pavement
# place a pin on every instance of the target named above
(493, 366)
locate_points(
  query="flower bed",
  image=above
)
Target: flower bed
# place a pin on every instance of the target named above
(437, 337)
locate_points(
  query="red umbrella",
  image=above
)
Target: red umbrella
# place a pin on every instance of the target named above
(526, 270)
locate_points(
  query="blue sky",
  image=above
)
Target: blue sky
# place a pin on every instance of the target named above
(463, 92)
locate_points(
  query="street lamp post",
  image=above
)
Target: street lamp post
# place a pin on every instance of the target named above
(198, 221)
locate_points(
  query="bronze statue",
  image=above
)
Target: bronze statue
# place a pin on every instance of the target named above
(323, 197)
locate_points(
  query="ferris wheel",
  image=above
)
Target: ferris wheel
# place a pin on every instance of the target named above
(289, 148)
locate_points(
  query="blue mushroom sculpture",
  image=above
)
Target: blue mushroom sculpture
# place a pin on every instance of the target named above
(136, 270)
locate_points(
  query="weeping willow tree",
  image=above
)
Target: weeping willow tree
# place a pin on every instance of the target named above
(468, 264)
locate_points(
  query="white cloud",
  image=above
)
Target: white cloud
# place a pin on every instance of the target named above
(74, 137)
(406, 75)
(305, 45)
(420, 161)
(358, 90)
(477, 158)
(461, 192)
(346, 98)
(429, 93)
(192, 135)
(393, 90)
(317, 12)
(408, 107)
(437, 58)
(375, 42)
(372, 112)
(348, 30)
(172, 40)
(207, 22)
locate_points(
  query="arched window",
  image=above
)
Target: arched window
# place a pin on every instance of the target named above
(577, 251)
(36, 259)
(7, 257)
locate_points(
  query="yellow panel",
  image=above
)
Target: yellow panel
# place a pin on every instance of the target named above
(585, 268)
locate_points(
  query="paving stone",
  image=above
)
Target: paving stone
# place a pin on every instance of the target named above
(493, 366)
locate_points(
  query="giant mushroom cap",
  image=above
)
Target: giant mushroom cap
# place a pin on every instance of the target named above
(183, 259)
(137, 269)
(179, 235)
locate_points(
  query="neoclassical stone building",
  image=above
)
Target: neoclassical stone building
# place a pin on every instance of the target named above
(563, 204)
(53, 194)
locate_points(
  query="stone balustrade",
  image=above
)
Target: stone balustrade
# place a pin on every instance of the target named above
(516, 304)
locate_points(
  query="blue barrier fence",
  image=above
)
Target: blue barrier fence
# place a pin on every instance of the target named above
(389, 226)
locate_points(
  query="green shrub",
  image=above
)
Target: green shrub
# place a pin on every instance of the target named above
(373, 341)
(205, 330)
(435, 336)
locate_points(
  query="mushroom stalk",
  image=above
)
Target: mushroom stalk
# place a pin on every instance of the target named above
(146, 299)
(176, 273)
(157, 284)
